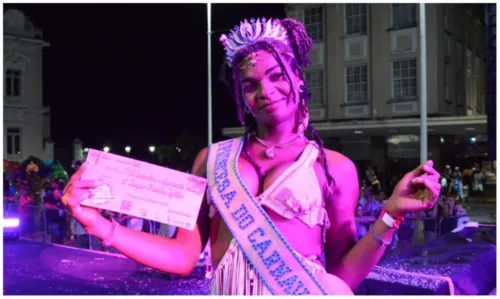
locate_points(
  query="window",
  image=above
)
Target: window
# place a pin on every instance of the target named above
(357, 84)
(313, 21)
(13, 83)
(404, 78)
(447, 13)
(459, 91)
(13, 141)
(448, 47)
(404, 15)
(479, 106)
(314, 81)
(469, 93)
(355, 18)
(446, 83)
(459, 59)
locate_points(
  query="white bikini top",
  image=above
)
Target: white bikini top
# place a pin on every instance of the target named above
(296, 193)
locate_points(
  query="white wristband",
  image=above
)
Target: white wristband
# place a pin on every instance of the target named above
(388, 220)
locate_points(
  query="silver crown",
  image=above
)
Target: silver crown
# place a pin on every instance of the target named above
(251, 32)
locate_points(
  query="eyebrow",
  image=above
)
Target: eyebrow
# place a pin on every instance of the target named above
(266, 72)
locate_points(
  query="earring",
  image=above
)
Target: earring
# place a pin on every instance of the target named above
(301, 87)
(245, 109)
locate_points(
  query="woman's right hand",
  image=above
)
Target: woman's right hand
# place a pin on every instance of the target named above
(77, 191)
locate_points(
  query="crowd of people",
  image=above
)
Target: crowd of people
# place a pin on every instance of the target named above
(43, 215)
(63, 229)
(453, 202)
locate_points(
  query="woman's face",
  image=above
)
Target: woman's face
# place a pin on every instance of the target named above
(266, 90)
(359, 211)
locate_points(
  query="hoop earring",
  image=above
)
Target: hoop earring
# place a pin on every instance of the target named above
(245, 110)
(300, 87)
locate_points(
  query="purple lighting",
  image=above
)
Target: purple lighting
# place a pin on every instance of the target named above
(13, 222)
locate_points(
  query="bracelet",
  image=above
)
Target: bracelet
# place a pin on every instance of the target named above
(400, 218)
(378, 238)
(107, 241)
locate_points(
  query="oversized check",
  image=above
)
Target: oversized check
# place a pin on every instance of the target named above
(144, 190)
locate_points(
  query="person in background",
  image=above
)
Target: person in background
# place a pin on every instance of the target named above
(478, 178)
(135, 223)
(81, 237)
(26, 213)
(376, 187)
(370, 173)
(444, 183)
(370, 206)
(447, 205)
(381, 199)
(458, 183)
(361, 224)
(54, 214)
(407, 231)
(430, 224)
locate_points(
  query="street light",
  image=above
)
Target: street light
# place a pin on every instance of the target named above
(127, 149)
(152, 151)
(106, 149)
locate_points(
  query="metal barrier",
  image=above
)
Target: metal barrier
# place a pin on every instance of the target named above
(47, 225)
(56, 226)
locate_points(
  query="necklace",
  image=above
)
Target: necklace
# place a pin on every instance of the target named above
(271, 150)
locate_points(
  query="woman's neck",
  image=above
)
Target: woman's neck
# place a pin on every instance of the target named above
(279, 134)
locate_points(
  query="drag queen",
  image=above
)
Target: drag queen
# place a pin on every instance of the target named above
(277, 200)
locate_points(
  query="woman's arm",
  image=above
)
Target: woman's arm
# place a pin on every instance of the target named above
(176, 256)
(345, 257)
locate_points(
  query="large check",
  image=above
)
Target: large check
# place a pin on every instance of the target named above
(144, 190)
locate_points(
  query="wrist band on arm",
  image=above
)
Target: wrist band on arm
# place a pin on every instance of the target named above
(379, 238)
(390, 219)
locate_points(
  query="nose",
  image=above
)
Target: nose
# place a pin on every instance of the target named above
(265, 90)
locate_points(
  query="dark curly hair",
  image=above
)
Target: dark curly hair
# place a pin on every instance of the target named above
(299, 45)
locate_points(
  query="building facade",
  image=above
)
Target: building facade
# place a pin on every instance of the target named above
(26, 120)
(491, 63)
(365, 79)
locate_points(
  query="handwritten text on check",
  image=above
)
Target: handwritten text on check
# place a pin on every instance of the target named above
(144, 190)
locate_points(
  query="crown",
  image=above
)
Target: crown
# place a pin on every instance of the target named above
(251, 32)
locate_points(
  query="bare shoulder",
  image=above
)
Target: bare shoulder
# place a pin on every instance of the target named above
(339, 164)
(344, 172)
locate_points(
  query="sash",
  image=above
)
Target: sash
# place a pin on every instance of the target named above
(265, 248)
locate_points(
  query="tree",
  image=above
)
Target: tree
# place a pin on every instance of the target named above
(58, 171)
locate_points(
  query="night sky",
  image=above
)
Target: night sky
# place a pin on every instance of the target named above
(133, 74)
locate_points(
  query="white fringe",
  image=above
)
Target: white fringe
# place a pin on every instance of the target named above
(234, 276)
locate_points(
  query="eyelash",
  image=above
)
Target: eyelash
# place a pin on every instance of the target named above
(274, 78)
(277, 76)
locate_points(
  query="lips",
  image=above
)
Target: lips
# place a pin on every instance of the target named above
(270, 105)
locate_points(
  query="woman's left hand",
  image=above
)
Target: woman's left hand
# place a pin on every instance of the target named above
(403, 199)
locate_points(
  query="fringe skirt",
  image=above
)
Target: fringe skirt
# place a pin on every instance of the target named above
(235, 276)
